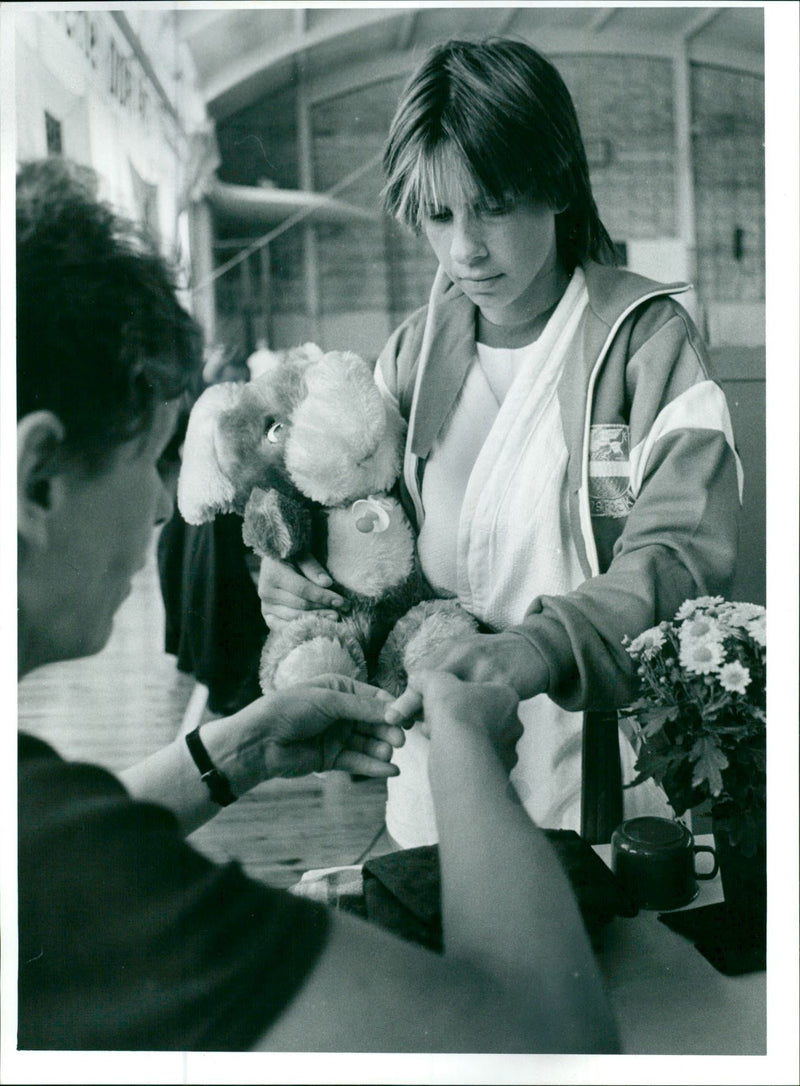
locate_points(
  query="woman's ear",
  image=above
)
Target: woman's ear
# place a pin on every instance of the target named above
(39, 488)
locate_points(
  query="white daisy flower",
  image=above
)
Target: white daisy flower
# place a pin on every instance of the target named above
(648, 643)
(757, 628)
(686, 610)
(702, 628)
(702, 603)
(701, 656)
(739, 614)
(734, 677)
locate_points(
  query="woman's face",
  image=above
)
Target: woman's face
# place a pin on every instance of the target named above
(503, 258)
(99, 539)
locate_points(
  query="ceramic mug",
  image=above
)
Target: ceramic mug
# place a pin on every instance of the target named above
(653, 858)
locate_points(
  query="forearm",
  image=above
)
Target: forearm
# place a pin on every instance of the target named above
(336, 724)
(580, 634)
(170, 777)
(507, 905)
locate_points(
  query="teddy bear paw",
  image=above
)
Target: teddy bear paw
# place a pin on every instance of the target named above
(308, 648)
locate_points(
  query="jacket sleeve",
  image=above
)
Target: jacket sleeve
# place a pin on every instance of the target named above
(680, 537)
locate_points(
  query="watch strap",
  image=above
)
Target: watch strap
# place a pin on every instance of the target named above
(219, 787)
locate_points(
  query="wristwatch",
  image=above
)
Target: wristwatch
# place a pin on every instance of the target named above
(219, 787)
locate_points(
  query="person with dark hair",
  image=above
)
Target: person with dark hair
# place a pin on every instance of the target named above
(569, 464)
(129, 939)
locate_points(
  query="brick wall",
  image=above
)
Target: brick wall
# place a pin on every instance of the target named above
(728, 155)
(625, 109)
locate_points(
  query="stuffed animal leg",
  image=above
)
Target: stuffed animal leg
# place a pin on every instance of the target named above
(308, 648)
(427, 626)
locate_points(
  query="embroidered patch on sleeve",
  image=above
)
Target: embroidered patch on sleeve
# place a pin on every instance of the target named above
(610, 493)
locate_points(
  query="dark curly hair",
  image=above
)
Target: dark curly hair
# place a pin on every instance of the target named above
(503, 112)
(101, 336)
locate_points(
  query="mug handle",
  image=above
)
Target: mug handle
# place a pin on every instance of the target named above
(709, 874)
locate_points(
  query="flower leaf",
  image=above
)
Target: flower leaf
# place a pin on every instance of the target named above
(709, 761)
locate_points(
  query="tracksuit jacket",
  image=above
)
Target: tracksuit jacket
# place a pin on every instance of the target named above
(654, 486)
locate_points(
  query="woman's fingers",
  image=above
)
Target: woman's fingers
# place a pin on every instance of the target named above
(281, 586)
(391, 734)
(405, 709)
(366, 744)
(313, 570)
(368, 708)
(354, 762)
(343, 748)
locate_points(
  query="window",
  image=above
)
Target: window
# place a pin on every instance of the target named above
(53, 134)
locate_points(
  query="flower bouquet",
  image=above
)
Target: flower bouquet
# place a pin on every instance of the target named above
(701, 715)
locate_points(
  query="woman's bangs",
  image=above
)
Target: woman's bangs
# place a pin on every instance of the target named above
(438, 178)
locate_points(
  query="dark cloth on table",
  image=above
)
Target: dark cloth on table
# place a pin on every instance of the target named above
(402, 890)
(214, 624)
(128, 937)
(733, 940)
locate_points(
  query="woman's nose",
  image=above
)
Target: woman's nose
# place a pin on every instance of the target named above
(467, 244)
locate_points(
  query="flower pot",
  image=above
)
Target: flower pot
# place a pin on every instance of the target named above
(744, 878)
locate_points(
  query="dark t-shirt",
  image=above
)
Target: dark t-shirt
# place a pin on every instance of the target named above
(129, 938)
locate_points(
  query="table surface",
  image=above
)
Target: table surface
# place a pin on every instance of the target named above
(667, 998)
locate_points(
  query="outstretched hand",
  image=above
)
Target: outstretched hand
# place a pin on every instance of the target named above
(506, 659)
(446, 700)
(332, 723)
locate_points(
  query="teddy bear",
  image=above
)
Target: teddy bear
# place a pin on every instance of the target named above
(307, 453)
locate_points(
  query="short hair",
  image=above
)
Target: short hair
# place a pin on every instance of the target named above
(506, 113)
(101, 336)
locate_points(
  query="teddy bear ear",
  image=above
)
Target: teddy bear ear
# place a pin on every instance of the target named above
(204, 490)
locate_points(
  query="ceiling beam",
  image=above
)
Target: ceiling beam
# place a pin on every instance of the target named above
(699, 22)
(601, 18)
(405, 31)
(261, 57)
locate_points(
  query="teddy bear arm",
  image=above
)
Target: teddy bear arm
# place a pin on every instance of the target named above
(276, 524)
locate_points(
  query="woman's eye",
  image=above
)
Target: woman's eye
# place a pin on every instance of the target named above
(495, 210)
(273, 433)
(444, 215)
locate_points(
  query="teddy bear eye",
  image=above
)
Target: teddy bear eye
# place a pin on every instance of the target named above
(273, 434)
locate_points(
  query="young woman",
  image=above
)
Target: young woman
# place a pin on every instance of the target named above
(130, 939)
(570, 465)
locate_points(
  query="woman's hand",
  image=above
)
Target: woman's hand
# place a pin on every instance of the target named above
(287, 591)
(448, 703)
(505, 658)
(332, 723)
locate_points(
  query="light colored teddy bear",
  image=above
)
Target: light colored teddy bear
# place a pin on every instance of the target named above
(308, 454)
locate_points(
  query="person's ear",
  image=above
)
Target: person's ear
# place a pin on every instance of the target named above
(40, 488)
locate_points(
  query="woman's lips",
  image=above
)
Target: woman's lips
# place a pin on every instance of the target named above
(476, 282)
